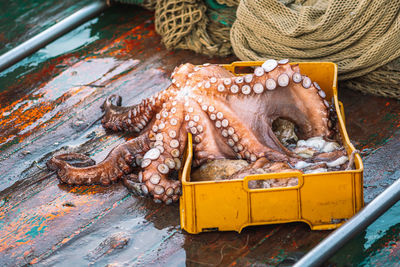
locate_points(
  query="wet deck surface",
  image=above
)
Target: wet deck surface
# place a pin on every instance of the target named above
(51, 102)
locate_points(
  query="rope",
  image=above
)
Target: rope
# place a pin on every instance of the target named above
(361, 36)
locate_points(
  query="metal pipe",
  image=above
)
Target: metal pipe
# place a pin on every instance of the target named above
(42, 39)
(327, 248)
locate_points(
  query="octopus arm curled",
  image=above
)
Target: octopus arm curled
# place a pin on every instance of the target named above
(229, 117)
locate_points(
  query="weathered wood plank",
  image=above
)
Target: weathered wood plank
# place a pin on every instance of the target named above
(44, 222)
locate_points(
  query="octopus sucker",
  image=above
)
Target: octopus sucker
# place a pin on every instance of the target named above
(230, 117)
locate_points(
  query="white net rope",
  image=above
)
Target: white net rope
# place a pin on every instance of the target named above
(360, 36)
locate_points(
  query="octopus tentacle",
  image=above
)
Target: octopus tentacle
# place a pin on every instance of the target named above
(201, 126)
(108, 103)
(165, 156)
(237, 135)
(229, 117)
(117, 163)
(330, 156)
(134, 118)
(279, 145)
(270, 79)
(79, 160)
(132, 183)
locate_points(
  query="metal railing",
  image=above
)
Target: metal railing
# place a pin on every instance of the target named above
(42, 39)
(327, 248)
(318, 255)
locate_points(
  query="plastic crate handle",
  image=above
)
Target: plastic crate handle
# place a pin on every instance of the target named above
(267, 176)
(231, 67)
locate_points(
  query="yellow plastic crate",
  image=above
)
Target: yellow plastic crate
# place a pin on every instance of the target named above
(322, 200)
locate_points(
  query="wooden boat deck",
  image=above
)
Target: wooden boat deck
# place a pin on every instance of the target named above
(54, 105)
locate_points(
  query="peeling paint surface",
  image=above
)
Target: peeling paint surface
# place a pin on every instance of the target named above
(51, 102)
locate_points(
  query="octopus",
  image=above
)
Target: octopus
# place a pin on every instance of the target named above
(228, 116)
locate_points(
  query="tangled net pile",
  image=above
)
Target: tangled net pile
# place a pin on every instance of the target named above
(362, 37)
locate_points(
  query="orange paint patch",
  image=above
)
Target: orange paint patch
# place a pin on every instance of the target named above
(128, 42)
(30, 111)
(17, 117)
(27, 224)
(34, 261)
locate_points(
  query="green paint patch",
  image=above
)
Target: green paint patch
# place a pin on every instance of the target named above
(377, 245)
(274, 260)
(38, 228)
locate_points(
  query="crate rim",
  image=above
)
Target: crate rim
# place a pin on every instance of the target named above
(339, 110)
(185, 171)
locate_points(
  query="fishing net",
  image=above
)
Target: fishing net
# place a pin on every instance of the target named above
(384, 81)
(190, 24)
(361, 36)
(201, 26)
